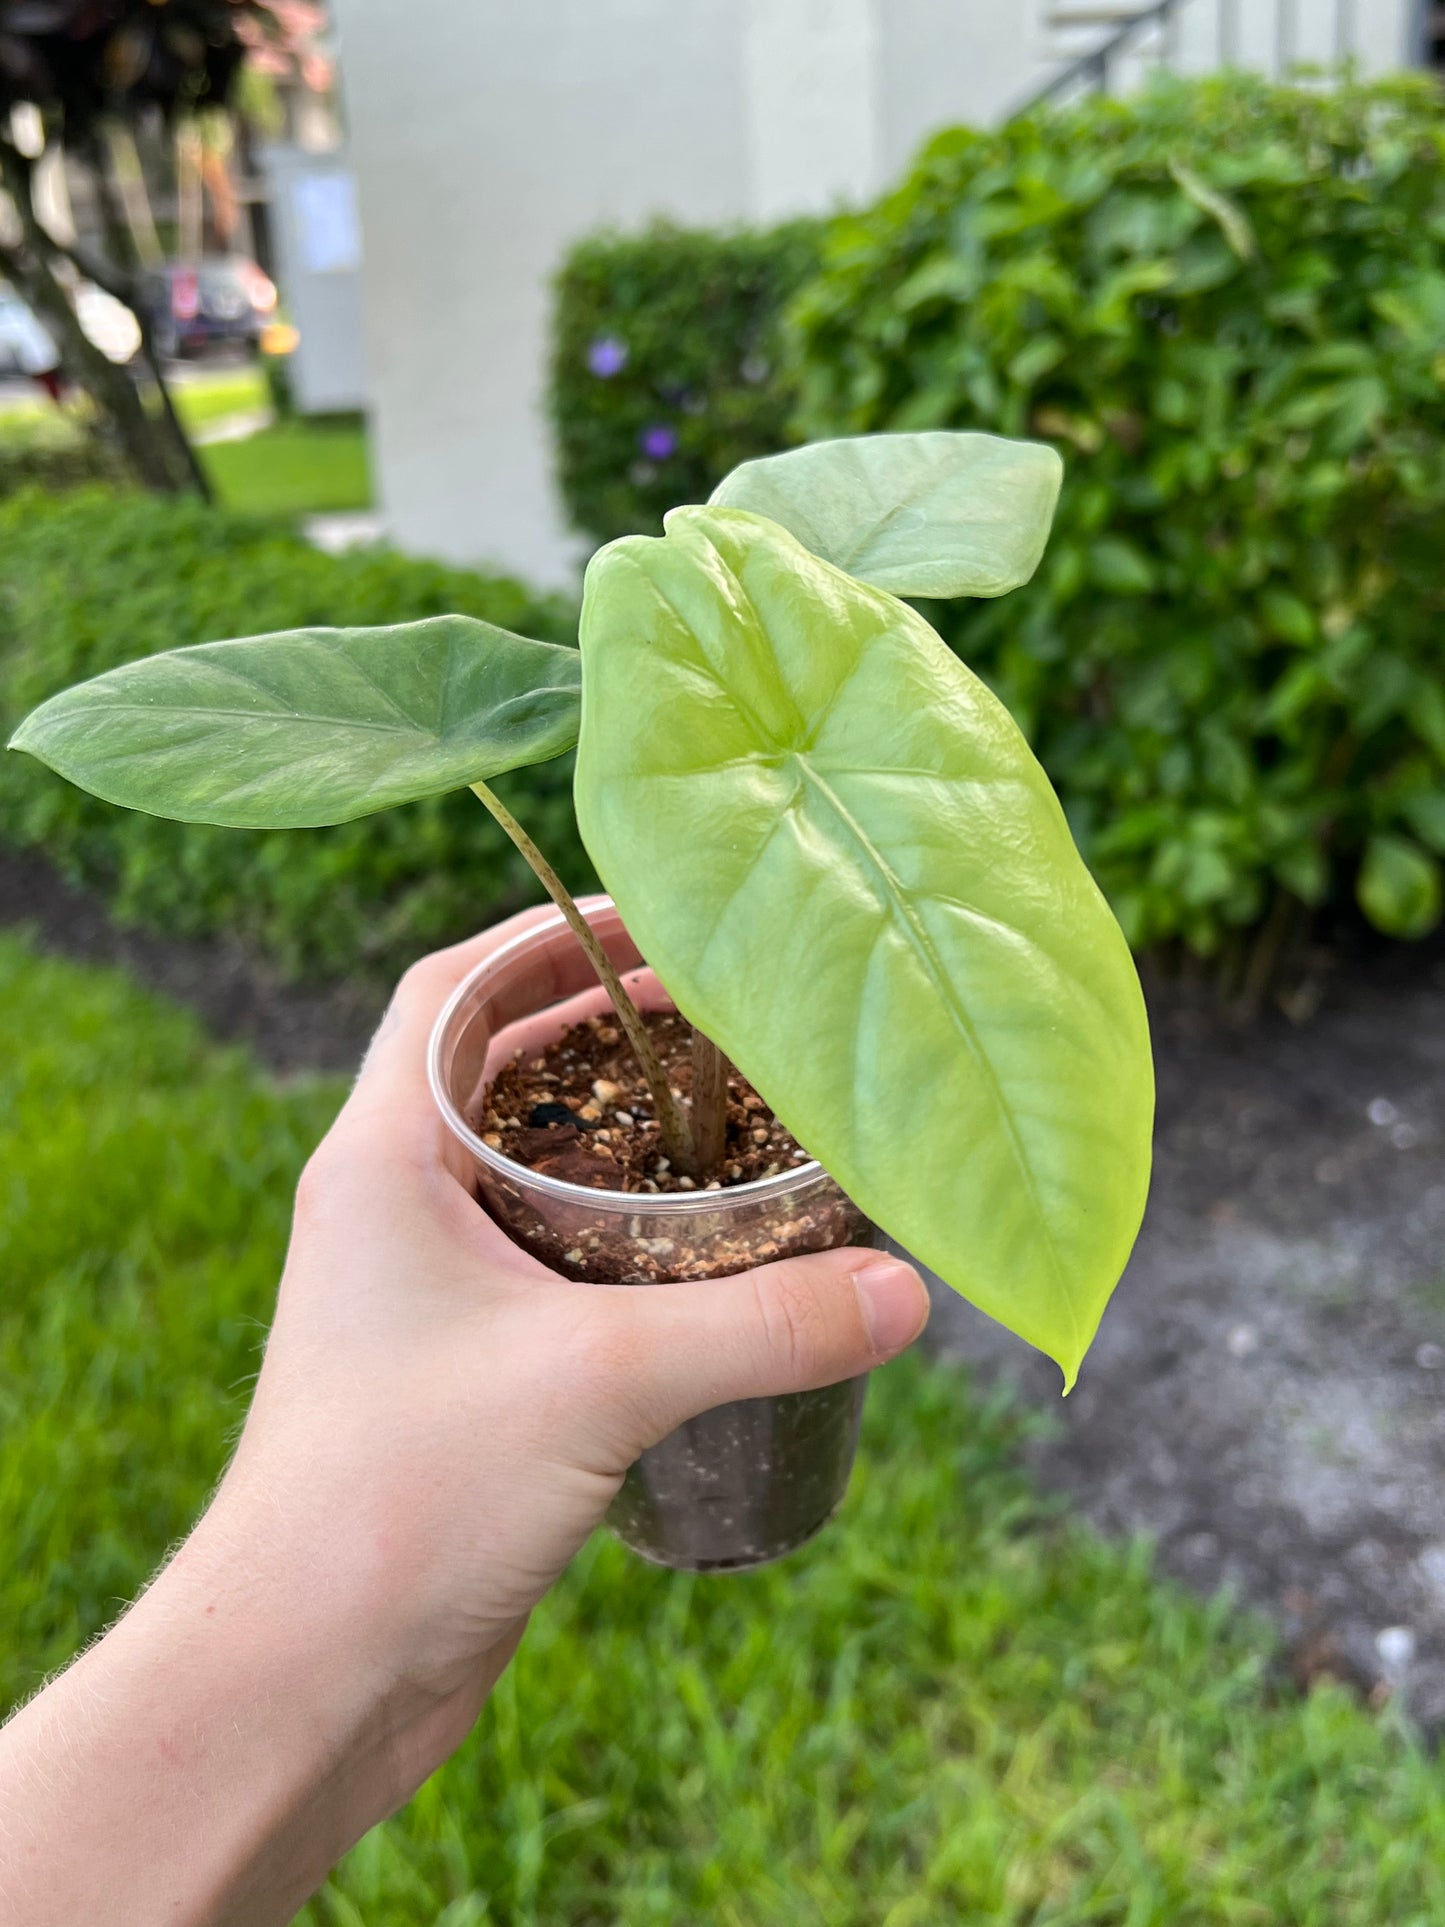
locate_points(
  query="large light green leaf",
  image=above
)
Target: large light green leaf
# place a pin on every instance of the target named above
(842, 859)
(312, 725)
(921, 515)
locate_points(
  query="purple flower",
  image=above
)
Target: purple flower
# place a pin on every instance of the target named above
(658, 442)
(607, 356)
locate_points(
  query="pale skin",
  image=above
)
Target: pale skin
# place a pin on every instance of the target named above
(438, 1425)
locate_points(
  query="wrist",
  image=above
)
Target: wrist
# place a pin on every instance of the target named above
(226, 1700)
(298, 1648)
(332, 1607)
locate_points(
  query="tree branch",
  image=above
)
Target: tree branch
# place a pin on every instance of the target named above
(112, 389)
(127, 289)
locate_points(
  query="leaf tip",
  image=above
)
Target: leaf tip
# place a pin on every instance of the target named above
(22, 735)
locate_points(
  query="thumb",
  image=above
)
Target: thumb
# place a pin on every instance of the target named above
(788, 1327)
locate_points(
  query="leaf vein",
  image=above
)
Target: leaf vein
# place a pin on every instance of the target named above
(924, 946)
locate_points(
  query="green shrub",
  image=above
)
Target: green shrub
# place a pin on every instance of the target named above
(97, 579)
(1225, 301)
(667, 367)
(52, 451)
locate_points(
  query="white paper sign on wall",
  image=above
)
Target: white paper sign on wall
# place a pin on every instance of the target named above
(328, 225)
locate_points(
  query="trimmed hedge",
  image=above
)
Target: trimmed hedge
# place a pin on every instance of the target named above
(97, 579)
(667, 367)
(1225, 302)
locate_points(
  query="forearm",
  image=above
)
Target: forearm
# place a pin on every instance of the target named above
(438, 1426)
(208, 1761)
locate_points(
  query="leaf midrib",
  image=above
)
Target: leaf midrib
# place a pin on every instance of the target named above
(211, 712)
(856, 559)
(924, 946)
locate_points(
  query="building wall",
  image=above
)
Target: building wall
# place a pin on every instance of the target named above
(810, 104)
(487, 136)
(943, 62)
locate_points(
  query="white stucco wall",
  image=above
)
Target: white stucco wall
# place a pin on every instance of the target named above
(943, 62)
(487, 136)
(809, 103)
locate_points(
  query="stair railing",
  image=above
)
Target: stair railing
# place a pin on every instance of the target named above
(1094, 72)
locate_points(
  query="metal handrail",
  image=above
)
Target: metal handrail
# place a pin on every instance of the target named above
(1091, 70)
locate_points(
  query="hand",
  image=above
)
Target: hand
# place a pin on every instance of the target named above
(439, 1424)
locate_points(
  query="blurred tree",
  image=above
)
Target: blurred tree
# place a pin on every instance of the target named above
(73, 73)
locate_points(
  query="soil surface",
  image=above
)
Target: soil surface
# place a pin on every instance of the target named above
(1267, 1393)
(582, 1112)
(1266, 1396)
(291, 1027)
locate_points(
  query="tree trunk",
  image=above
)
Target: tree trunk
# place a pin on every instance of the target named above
(125, 254)
(32, 267)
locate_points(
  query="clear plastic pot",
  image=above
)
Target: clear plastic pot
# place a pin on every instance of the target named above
(745, 1483)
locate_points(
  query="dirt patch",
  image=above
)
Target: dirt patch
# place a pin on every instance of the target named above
(290, 1027)
(1267, 1393)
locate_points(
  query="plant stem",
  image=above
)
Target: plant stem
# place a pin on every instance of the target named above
(671, 1119)
(709, 1103)
(1268, 951)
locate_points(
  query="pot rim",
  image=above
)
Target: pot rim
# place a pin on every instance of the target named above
(636, 1203)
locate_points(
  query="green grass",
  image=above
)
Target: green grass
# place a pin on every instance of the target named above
(211, 397)
(26, 410)
(295, 468)
(300, 467)
(953, 1708)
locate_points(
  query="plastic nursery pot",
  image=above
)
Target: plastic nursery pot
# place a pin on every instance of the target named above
(749, 1481)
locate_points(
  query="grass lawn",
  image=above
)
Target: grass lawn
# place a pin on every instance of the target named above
(226, 391)
(295, 468)
(298, 467)
(953, 1708)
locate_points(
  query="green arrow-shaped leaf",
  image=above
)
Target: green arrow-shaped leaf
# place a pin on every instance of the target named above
(920, 515)
(312, 725)
(839, 854)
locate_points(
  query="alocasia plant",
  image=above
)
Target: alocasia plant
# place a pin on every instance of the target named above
(828, 837)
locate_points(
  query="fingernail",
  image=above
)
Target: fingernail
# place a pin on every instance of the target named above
(895, 1304)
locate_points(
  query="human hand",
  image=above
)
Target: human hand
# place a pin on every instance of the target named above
(444, 1420)
(438, 1425)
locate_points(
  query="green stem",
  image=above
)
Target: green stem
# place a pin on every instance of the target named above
(671, 1120)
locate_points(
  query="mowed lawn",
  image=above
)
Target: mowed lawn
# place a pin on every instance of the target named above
(293, 468)
(305, 466)
(954, 1708)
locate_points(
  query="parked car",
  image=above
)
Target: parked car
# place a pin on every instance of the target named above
(224, 301)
